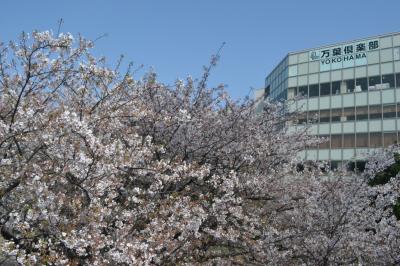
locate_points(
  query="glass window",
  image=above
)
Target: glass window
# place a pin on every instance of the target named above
(361, 84)
(388, 81)
(348, 141)
(324, 116)
(312, 146)
(312, 116)
(325, 89)
(267, 91)
(389, 138)
(335, 165)
(349, 85)
(362, 140)
(362, 113)
(292, 92)
(336, 141)
(389, 111)
(303, 91)
(375, 140)
(349, 114)
(398, 80)
(360, 166)
(335, 116)
(326, 143)
(335, 87)
(351, 166)
(313, 90)
(302, 119)
(280, 97)
(398, 110)
(373, 81)
(375, 112)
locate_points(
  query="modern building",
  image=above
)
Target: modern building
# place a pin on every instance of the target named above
(354, 90)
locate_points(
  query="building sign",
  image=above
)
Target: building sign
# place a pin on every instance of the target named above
(348, 55)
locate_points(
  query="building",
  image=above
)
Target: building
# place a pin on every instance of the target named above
(354, 90)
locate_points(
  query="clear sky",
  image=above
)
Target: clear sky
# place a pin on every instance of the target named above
(177, 37)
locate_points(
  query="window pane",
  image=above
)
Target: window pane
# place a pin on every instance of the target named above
(373, 81)
(335, 165)
(361, 84)
(348, 141)
(389, 111)
(314, 90)
(349, 114)
(362, 113)
(375, 140)
(361, 166)
(351, 166)
(389, 138)
(336, 141)
(336, 114)
(375, 112)
(324, 116)
(325, 89)
(349, 85)
(325, 145)
(302, 118)
(312, 116)
(303, 91)
(398, 110)
(398, 80)
(335, 87)
(292, 92)
(362, 140)
(388, 81)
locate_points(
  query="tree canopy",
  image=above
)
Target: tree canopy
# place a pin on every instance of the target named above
(98, 167)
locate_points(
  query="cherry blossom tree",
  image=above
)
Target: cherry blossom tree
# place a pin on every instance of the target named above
(101, 168)
(340, 219)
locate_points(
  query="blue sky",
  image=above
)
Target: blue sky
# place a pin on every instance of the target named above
(177, 37)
